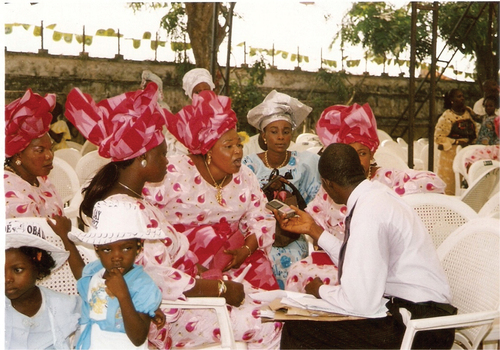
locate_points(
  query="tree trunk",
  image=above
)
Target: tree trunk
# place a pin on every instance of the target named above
(199, 28)
(486, 64)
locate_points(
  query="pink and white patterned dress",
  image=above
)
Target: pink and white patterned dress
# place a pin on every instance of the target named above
(188, 203)
(24, 200)
(483, 153)
(330, 216)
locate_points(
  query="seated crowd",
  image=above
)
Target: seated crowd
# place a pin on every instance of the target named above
(180, 211)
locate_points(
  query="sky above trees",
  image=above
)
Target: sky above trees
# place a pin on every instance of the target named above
(306, 29)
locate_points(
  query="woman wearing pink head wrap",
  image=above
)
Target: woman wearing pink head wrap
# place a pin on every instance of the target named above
(128, 129)
(216, 202)
(354, 125)
(28, 160)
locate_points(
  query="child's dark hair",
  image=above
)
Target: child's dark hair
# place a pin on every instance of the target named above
(41, 259)
(101, 184)
(448, 96)
(493, 98)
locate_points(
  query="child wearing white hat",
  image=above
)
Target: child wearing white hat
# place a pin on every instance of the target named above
(119, 298)
(37, 317)
(197, 80)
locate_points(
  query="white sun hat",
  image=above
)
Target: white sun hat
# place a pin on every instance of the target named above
(33, 232)
(117, 220)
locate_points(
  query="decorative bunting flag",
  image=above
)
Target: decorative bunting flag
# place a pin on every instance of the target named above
(177, 46)
(68, 37)
(88, 39)
(56, 36)
(181, 46)
(353, 63)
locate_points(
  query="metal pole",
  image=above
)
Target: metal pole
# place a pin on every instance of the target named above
(245, 53)
(298, 57)
(272, 57)
(228, 58)
(213, 61)
(156, 47)
(411, 89)
(41, 34)
(83, 43)
(118, 41)
(432, 100)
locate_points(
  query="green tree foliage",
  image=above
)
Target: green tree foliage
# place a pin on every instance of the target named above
(195, 19)
(245, 93)
(385, 30)
(481, 42)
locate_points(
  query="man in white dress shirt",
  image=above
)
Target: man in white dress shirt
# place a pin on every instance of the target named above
(387, 262)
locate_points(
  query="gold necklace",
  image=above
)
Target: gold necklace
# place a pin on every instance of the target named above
(128, 188)
(12, 170)
(285, 162)
(217, 186)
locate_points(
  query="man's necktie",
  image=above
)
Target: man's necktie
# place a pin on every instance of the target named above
(347, 229)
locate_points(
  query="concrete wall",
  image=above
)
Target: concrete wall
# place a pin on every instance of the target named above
(103, 78)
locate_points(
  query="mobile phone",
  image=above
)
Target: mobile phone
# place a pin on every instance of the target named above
(281, 207)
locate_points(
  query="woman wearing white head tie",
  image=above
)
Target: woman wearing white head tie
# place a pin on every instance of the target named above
(276, 117)
(197, 80)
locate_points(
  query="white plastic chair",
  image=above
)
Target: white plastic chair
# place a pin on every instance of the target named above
(70, 155)
(382, 135)
(387, 159)
(65, 180)
(441, 214)
(87, 147)
(491, 209)
(419, 144)
(61, 280)
(307, 137)
(75, 145)
(304, 145)
(481, 167)
(492, 338)
(88, 166)
(469, 257)
(424, 156)
(402, 143)
(461, 172)
(395, 148)
(481, 190)
(219, 305)
(314, 150)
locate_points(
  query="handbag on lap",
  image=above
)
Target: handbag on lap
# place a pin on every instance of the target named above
(288, 194)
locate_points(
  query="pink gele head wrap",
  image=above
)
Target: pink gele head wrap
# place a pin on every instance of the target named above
(124, 127)
(199, 125)
(348, 124)
(26, 119)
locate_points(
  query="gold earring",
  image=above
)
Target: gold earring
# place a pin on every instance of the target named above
(209, 159)
(265, 141)
(18, 162)
(144, 162)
